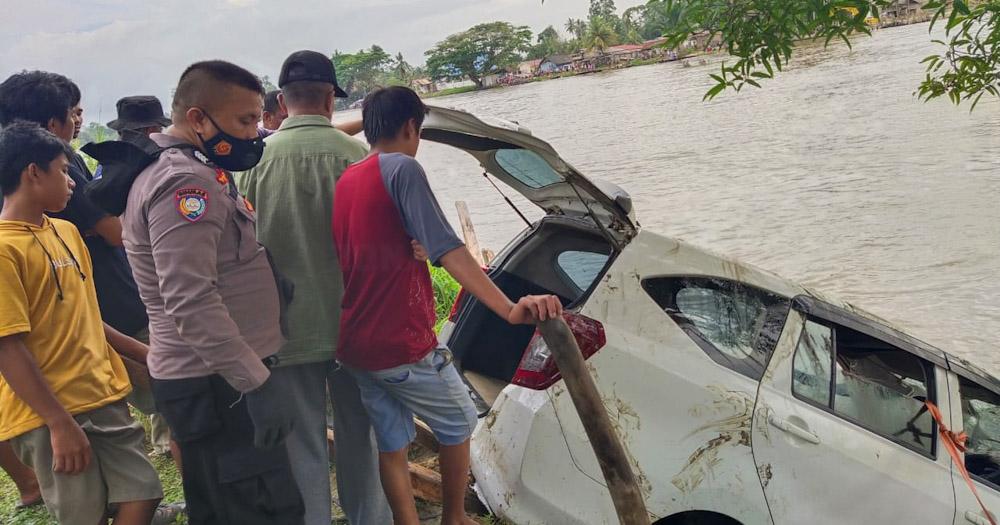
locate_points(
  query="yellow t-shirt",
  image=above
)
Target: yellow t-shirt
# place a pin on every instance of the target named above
(66, 336)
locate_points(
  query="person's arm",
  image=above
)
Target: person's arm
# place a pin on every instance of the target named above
(110, 229)
(423, 219)
(185, 251)
(470, 275)
(351, 127)
(125, 345)
(70, 447)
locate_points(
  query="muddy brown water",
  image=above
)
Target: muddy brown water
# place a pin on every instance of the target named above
(833, 175)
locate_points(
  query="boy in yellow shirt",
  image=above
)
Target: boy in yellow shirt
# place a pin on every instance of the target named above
(62, 386)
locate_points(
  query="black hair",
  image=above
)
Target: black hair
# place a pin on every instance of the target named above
(195, 87)
(307, 93)
(23, 143)
(72, 89)
(387, 110)
(271, 101)
(36, 96)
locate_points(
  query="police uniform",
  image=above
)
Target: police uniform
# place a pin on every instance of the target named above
(214, 310)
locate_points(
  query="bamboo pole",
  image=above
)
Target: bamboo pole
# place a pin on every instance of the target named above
(618, 475)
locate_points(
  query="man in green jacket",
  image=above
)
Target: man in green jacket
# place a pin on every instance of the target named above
(292, 190)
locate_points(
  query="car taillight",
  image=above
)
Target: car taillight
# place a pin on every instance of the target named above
(538, 368)
(454, 306)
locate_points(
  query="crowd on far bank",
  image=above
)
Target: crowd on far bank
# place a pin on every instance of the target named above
(230, 270)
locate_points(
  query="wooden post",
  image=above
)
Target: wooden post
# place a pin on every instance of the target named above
(469, 232)
(621, 481)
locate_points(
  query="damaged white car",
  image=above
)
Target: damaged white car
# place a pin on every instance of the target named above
(740, 397)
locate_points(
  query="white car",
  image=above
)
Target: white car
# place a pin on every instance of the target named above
(740, 397)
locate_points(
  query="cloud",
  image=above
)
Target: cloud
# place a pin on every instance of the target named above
(114, 48)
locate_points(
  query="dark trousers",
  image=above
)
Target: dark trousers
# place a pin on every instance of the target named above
(227, 481)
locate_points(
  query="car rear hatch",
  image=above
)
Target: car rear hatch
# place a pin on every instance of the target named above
(532, 167)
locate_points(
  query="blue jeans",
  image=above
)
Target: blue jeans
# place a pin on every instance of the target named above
(358, 483)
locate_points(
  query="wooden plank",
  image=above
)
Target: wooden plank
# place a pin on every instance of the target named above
(426, 483)
(468, 231)
(425, 436)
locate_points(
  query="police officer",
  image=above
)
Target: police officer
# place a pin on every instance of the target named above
(213, 303)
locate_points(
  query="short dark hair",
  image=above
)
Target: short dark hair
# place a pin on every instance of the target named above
(271, 101)
(200, 82)
(36, 96)
(387, 110)
(23, 143)
(307, 93)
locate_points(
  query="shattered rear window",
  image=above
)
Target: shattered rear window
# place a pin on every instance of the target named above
(737, 325)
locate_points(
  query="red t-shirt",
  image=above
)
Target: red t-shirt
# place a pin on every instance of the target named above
(380, 205)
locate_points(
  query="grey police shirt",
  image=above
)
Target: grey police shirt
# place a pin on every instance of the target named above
(205, 280)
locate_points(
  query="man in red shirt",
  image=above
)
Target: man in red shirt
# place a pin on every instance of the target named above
(387, 338)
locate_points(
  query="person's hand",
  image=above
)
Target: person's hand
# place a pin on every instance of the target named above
(270, 413)
(70, 447)
(534, 308)
(419, 252)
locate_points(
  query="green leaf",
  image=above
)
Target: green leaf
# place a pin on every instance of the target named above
(712, 93)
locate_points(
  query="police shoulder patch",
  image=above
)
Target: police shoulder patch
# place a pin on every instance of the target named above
(191, 203)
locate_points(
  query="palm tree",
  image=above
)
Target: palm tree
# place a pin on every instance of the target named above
(600, 35)
(576, 27)
(402, 69)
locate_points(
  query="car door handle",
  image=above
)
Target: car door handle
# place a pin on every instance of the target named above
(793, 429)
(975, 517)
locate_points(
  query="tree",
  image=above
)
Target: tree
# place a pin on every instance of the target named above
(358, 73)
(600, 35)
(402, 69)
(761, 35)
(549, 43)
(970, 65)
(577, 28)
(762, 38)
(602, 9)
(268, 85)
(479, 51)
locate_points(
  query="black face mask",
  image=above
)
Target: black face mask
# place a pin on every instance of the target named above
(231, 153)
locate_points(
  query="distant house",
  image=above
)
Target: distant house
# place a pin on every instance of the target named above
(555, 64)
(528, 68)
(423, 85)
(490, 80)
(902, 8)
(625, 52)
(654, 44)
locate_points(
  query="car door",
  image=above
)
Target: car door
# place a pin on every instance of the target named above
(976, 411)
(840, 432)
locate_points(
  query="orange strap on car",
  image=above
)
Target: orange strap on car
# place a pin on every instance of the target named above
(955, 443)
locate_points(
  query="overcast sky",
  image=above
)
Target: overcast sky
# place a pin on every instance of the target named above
(114, 48)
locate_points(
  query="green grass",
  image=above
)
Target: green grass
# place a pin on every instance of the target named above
(445, 291)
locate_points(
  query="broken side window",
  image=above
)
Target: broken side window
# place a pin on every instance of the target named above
(737, 325)
(981, 415)
(866, 381)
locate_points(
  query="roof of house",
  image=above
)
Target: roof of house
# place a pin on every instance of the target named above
(625, 48)
(423, 81)
(531, 63)
(559, 60)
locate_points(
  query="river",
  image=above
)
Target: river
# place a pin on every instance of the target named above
(832, 175)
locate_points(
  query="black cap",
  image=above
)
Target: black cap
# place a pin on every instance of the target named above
(309, 65)
(139, 112)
